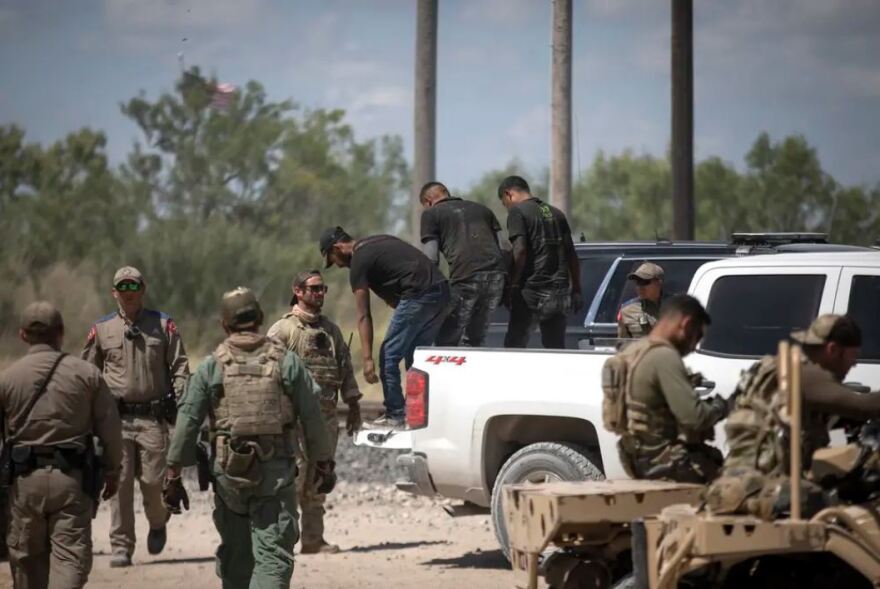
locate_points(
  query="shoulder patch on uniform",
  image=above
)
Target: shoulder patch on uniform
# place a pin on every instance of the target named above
(93, 333)
(170, 327)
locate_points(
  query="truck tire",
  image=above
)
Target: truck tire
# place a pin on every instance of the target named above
(538, 463)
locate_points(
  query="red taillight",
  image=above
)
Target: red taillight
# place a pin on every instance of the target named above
(416, 398)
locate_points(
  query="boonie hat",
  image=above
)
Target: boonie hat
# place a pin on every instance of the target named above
(128, 273)
(41, 316)
(818, 332)
(300, 280)
(646, 271)
(328, 239)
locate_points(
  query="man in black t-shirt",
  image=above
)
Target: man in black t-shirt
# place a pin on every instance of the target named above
(545, 283)
(407, 281)
(468, 235)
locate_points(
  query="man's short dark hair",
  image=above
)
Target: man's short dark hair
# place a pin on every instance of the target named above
(846, 332)
(428, 187)
(45, 335)
(687, 306)
(513, 183)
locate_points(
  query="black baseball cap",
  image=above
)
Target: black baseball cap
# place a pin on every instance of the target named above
(328, 239)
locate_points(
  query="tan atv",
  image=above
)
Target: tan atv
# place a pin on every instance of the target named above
(601, 529)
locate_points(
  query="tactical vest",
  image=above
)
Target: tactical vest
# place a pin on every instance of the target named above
(315, 346)
(253, 402)
(754, 428)
(651, 424)
(621, 414)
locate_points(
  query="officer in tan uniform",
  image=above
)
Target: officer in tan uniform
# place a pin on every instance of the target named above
(52, 404)
(319, 343)
(254, 393)
(143, 360)
(637, 316)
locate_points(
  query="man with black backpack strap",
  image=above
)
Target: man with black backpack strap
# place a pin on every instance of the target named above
(52, 404)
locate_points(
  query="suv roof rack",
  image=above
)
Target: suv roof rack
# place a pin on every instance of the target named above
(774, 239)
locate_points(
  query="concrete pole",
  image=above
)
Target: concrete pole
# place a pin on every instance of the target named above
(425, 106)
(682, 119)
(560, 89)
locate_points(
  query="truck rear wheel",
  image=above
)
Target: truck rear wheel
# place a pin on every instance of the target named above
(539, 463)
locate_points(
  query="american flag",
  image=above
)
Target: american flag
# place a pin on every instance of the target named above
(222, 96)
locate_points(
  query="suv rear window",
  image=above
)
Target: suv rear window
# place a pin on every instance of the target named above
(864, 307)
(677, 275)
(751, 314)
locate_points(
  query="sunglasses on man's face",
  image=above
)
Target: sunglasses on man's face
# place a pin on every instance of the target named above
(317, 288)
(131, 286)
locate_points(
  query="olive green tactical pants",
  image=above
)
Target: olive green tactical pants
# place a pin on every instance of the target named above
(311, 504)
(144, 445)
(50, 532)
(258, 529)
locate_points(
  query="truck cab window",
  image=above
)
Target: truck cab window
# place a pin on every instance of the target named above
(864, 307)
(750, 314)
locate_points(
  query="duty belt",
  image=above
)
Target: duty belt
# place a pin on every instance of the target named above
(149, 409)
(26, 459)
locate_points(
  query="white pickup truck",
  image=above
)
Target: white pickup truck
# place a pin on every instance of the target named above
(481, 418)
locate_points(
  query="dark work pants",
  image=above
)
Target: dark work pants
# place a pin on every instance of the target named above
(546, 309)
(473, 302)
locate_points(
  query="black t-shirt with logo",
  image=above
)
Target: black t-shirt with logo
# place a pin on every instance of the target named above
(466, 234)
(546, 233)
(392, 268)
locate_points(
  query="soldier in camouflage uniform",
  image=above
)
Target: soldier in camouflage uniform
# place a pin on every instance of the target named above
(254, 393)
(757, 462)
(666, 421)
(142, 358)
(319, 343)
(637, 316)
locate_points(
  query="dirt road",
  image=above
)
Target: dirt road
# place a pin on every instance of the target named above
(390, 540)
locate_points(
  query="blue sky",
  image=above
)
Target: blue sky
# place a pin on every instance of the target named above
(787, 66)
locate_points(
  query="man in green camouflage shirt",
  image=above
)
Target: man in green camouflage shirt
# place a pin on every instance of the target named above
(255, 393)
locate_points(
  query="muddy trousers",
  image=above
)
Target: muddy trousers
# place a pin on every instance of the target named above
(144, 445)
(311, 504)
(50, 533)
(258, 529)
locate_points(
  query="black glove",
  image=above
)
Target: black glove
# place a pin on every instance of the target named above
(325, 477)
(721, 405)
(353, 422)
(174, 494)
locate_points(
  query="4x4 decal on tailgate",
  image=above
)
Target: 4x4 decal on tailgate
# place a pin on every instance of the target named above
(437, 360)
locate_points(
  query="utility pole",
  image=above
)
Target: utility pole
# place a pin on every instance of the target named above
(425, 105)
(682, 119)
(560, 100)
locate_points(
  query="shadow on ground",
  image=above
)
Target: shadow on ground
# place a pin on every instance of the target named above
(490, 560)
(395, 546)
(191, 560)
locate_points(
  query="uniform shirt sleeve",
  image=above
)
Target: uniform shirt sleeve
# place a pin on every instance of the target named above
(516, 225)
(92, 352)
(691, 413)
(108, 426)
(622, 329)
(175, 358)
(349, 389)
(430, 228)
(304, 393)
(278, 332)
(823, 394)
(192, 409)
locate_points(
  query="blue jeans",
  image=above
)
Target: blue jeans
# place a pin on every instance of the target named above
(415, 323)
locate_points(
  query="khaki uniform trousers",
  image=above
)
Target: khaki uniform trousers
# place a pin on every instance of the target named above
(144, 446)
(50, 532)
(311, 503)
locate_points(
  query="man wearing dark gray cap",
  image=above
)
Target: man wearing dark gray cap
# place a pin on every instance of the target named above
(52, 404)
(637, 316)
(143, 361)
